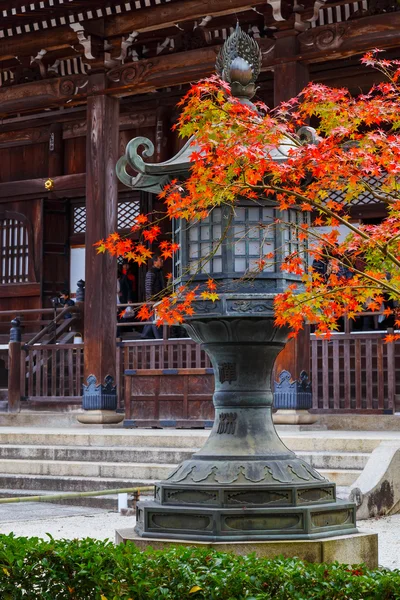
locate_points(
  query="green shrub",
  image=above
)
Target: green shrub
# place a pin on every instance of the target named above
(93, 570)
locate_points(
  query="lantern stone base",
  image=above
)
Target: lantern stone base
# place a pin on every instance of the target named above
(294, 417)
(100, 417)
(350, 549)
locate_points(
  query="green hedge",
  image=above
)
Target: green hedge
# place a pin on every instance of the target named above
(94, 570)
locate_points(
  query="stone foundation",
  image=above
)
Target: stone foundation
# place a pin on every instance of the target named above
(351, 549)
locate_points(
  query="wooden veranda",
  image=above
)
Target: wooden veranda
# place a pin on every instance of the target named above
(78, 80)
(169, 382)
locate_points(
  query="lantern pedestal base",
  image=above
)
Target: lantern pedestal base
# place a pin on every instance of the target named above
(350, 549)
(294, 417)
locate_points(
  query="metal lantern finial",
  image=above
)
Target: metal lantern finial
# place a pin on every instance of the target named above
(239, 63)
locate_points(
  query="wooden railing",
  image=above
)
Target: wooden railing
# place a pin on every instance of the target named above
(158, 355)
(355, 372)
(52, 373)
(36, 324)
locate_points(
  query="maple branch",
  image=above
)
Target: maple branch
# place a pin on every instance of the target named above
(379, 196)
(334, 290)
(333, 215)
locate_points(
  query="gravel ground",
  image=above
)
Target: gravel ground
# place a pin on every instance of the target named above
(35, 520)
(388, 530)
(69, 522)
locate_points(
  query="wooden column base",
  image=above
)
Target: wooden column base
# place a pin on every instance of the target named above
(100, 417)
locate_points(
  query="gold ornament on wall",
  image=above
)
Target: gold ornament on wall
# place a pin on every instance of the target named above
(49, 185)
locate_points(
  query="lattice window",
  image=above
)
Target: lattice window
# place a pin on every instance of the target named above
(177, 238)
(79, 219)
(127, 211)
(203, 241)
(364, 199)
(254, 237)
(14, 251)
(292, 220)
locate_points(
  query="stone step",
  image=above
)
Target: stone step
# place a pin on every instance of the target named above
(335, 460)
(85, 469)
(319, 460)
(342, 477)
(337, 443)
(130, 471)
(186, 439)
(56, 484)
(104, 438)
(95, 454)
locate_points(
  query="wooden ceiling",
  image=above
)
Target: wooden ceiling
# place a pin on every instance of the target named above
(144, 45)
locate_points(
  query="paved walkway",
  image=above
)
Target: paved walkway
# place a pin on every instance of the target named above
(70, 522)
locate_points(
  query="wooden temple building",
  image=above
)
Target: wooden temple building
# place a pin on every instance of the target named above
(78, 80)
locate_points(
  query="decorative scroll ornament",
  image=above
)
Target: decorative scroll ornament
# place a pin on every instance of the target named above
(239, 63)
(71, 86)
(326, 38)
(131, 73)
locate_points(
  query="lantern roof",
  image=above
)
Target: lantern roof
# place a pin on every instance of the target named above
(238, 63)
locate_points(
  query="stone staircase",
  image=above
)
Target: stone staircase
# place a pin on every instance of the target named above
(37, 461)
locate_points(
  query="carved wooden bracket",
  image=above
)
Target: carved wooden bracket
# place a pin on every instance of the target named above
(72, 85)
(92, 45)
(131, 73)
(324, 38)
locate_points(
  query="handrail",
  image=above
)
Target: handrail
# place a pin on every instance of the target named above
(52, 497)
(27, 311)
(53, 322)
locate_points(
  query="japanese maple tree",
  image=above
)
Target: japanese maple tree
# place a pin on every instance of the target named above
(354, 152)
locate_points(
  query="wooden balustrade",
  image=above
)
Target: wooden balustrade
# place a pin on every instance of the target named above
(52, 373)
(355, 372)
(351, 372)
(158, 355)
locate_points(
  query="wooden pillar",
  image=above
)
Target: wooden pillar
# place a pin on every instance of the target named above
(14, 369)
(56, 158)
(102, 139)
(290, 77)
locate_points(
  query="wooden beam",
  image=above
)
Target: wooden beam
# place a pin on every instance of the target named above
(163, 71)
(168, 15)
(35, 187)
(29, 44)
(26, 137)
(40, 94)
(132, 78)
(133, 120)
(349, 38)
(340, 40)
(144, 20)
(45, 118)
(17, 290)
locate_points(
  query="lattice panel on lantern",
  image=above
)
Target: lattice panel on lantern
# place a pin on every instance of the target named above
(293, 219)
(177, 238)
(127, 211)
(254, 238)
(204, 237)
(14, 251)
